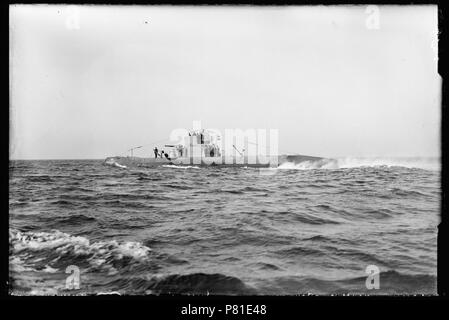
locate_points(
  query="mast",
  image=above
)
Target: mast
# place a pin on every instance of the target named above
(132, 149)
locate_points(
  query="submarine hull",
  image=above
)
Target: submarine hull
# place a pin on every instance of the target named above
(121, 161)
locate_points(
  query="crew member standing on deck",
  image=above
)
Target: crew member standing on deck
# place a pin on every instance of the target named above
(155, 152)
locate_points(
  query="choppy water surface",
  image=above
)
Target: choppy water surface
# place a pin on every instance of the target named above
(291, 230)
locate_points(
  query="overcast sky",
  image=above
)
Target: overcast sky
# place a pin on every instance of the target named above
(95, 82)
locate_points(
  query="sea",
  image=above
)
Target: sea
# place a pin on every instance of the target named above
(363, 226)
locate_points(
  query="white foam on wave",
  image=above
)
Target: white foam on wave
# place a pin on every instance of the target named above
(309, 165)
(17, 264)
(419, 163)
(107, 293)
(100, 253)
(432, 164)
(49, 269)
(112, 162)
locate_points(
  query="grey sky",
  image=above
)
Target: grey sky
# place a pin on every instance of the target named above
(129, 75)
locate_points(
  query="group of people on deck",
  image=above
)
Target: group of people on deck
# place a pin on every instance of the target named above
(162, 154)
(209, 151)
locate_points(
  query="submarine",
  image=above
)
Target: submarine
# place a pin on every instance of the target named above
(203, 148)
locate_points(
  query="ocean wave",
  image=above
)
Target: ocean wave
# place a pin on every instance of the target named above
(176, 186)
(52, 247)
(74, 219)
(38, 178)
(391, 282)
(199, 283)
(267, 266)
(114, 163)
(309, 219)
(431, 164)
(182, 284)
(300, 251)
(309, 165)
(289, 233)
(418, 163)
(179, 167)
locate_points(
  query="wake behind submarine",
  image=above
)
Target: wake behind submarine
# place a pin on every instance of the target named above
(203, 148)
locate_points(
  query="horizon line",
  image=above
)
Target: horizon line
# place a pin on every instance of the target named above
(330, 157)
